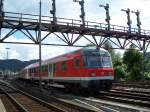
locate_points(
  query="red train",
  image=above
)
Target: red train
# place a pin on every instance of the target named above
(85, 68)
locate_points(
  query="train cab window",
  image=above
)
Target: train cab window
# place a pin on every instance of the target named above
(77, 63)
(97, 59)
(63, 66)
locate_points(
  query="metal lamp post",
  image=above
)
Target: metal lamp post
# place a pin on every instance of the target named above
(39, 36)
(7, 49)
(6, 72)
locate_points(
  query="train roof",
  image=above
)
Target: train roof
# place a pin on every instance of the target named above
(62, 57)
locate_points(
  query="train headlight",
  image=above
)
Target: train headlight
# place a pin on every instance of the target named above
(93, 74)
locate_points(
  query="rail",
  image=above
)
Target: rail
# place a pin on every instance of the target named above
(57, 105)
(23, 108)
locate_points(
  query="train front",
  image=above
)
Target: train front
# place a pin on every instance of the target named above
(99, 69)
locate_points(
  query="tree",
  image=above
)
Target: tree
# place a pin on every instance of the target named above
(146, 69)
(133, 58)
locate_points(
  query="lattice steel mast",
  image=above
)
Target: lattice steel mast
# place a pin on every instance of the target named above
(129, 22)
(137, 13)
(1, 8)
(82, 16)
(106, 7)
(53, 11)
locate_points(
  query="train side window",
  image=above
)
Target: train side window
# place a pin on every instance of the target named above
(77, 63)
(50, 67)
(44, 68)
(34, 70)
(55, 67)
(63, 66)
(37, 69)
(30, 71)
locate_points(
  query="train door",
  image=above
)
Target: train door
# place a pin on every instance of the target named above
(50, 71)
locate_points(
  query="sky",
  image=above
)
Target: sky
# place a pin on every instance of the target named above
(69, 9)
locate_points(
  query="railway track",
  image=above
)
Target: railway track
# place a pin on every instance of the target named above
(103, 105)
(108, 106)
(132, 89)
(100, 105)
(126, 97)
(62, 106)
(21, 102)
(134, 99)
(138, 85)
(142, 93)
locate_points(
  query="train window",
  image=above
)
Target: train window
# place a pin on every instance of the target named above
(50, 67)
(37, 69)
(93, 61)
(44, 68)
(34, 70)
(77, 63)
(63, 66)
(55, 67)
(106, 61)
(31, 70)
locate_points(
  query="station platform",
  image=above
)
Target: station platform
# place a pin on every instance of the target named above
(2, 108)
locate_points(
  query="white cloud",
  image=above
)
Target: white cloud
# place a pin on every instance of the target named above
(29, 52)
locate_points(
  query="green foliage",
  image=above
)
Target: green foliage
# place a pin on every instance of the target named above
(120, 72)
(134, 61)
(135, 74)
(146, 69)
